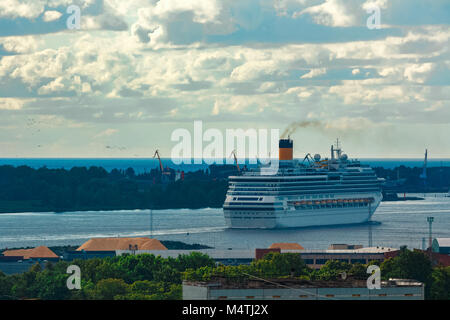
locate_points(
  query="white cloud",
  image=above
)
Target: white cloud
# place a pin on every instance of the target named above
(51, 15)
(335, 13)
(53, 86)
(418, 72)
(112, 78)
(106, 133)
(12, 103)
(352, 124)
(22, 44)
(314, 73)
(31, 9)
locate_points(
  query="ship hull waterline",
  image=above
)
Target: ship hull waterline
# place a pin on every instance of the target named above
(301, 218)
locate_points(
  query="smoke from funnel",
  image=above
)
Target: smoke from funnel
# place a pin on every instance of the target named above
(299, 124)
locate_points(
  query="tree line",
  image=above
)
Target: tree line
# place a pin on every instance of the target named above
(127, 277)
(406, 265)
(409, 179)
(80, 188)
(145, 276)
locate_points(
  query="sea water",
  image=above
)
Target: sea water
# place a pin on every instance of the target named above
(396, 224)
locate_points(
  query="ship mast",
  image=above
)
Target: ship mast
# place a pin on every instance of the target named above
(336, 150)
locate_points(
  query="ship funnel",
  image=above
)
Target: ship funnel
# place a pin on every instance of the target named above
(285, 149)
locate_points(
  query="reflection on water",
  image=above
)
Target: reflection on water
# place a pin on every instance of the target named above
(398, 223)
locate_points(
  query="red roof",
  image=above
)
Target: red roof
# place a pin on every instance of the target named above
(36, 253)
(286, 246)
(113, 244)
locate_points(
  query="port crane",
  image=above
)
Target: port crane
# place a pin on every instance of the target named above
(160, 163)
(233, 153)
(308, 158)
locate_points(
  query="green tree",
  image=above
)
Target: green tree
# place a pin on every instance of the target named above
(194, 260)
(331, 270)
(51, 286)
(108, 289)
(276, 264)
(359, 271)
(440, 287)
(6, 284)
(409, 265)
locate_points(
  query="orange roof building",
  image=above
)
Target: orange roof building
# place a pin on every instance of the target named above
(36, 253)
(113, 244)
(286, 246)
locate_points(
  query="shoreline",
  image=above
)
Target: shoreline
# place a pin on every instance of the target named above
(169, 244)
(95, 209)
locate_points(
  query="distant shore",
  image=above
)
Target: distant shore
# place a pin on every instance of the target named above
(13, 207)
(169, 244)
(25, 189)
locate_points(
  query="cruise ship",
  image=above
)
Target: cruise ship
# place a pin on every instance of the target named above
(312, 192)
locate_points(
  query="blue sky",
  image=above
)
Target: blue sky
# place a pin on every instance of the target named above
(139, 69)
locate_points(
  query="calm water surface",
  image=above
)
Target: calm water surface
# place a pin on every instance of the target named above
(397, 223)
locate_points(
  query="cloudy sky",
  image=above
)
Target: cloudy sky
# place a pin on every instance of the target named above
(137, 70)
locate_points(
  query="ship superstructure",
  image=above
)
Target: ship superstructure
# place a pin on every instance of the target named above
(313, 192)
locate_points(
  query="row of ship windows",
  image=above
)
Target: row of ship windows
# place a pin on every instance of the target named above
(301, 207)
(319, 196)
(287, 193)
(331, 205)
(329, 201)
(253, 213)
(302, 188)
(293, 185)
(254, 203)
(345, 178)
(350, 203)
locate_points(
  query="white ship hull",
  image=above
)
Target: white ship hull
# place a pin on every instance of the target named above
(300, 218)
(333, 191)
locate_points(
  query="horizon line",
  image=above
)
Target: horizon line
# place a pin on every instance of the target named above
(167, 158)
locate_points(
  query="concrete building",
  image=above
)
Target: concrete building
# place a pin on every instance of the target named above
(41, 252)
(85, 255)
(226, 257)
(317, 258)
(339, 246)
(19, 261)
(294, 289)
(313, 258)
(9, 267)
